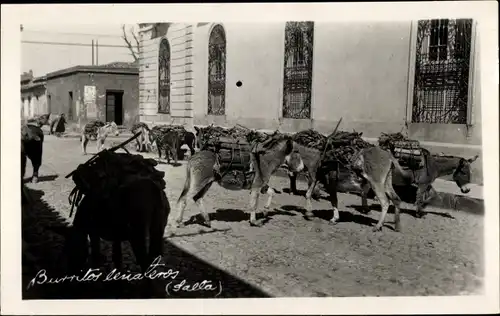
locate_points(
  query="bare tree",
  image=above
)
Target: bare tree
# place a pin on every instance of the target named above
(131, 39)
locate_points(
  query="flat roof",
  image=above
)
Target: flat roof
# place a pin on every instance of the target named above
(111, 68)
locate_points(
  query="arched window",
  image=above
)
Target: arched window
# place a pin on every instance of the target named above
(217, 71)
(164, 77)
(297, 78)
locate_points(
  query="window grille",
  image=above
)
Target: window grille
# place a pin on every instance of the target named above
(298, 61)
(164, 77)
(442, 71)
(217, 71)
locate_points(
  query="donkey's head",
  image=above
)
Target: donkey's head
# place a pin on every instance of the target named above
(462, 173)
(43, 119)
(112, 128)
(294, 161)
(200, 135)
(145, 139)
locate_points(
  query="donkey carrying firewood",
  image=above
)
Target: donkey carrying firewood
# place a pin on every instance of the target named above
(434, 166)
(375, 168)
(203, 170)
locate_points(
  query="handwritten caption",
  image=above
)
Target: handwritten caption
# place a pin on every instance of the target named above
(94, 275)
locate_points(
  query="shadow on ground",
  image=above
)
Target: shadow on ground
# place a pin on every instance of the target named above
(233, 215)
(43, 233)
(42, 178)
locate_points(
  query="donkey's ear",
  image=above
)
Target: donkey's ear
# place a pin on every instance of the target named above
(473, 159)
(196, 128)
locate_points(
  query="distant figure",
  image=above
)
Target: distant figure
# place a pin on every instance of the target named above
(60, 125)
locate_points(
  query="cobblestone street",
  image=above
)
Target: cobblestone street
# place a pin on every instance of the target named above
(440, 254)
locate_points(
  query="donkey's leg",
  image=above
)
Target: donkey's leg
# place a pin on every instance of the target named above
(174, 154)
(36, 160)
(194, 187)
(394, 197)
(254, 202)
(270, 193)
(138, 243)
(117, 254)
(95, 246)
(331, 187)
(431, 195)
(380, 192)
(85, 141)
(420, 203)
(23, 165)
(204, 214)
(365, 188)
(312, 184)
(293, 182)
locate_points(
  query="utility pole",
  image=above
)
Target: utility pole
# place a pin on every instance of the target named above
(96, 53)
(92, 52)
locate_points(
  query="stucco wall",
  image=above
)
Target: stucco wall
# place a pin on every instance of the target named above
(180, 38)
(360, 73)
(254, 57)
(33, 102)
(60, 87)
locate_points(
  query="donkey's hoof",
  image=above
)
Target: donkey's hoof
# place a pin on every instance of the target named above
(397, 228)
(365, 210)
(419, 214)
(34, 180)
(257, 223)
(308, 216)
(333, 222)
(377, 228)
(179, 224)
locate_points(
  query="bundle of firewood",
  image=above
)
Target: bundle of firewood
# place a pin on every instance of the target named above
(310, 138)
(158, 130)
(343, 146)
(386, 140)
(135, 128)
(111, 170)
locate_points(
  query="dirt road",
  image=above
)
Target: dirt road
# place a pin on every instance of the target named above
(440, 254)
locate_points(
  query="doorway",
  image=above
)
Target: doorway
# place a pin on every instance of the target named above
(114, 107)
(70, 104)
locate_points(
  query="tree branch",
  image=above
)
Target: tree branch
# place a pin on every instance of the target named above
(129, 45)
(137, 42)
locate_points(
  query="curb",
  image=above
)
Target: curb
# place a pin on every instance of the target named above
(443, 200)
(458, 203)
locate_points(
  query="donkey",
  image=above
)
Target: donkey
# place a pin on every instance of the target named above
(143, 142)
(435, 166)
(203, 171)
(135, 213)
(98, 129)
(51, 120)
(31, 147)
(370, 168)
(167, 142)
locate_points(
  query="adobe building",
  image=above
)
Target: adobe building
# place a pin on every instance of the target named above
(33, 95)
(105, 92)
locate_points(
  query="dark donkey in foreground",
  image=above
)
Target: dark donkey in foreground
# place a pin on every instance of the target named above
(375, 168)
(32, 148)
(136, 213)
(202, 172)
